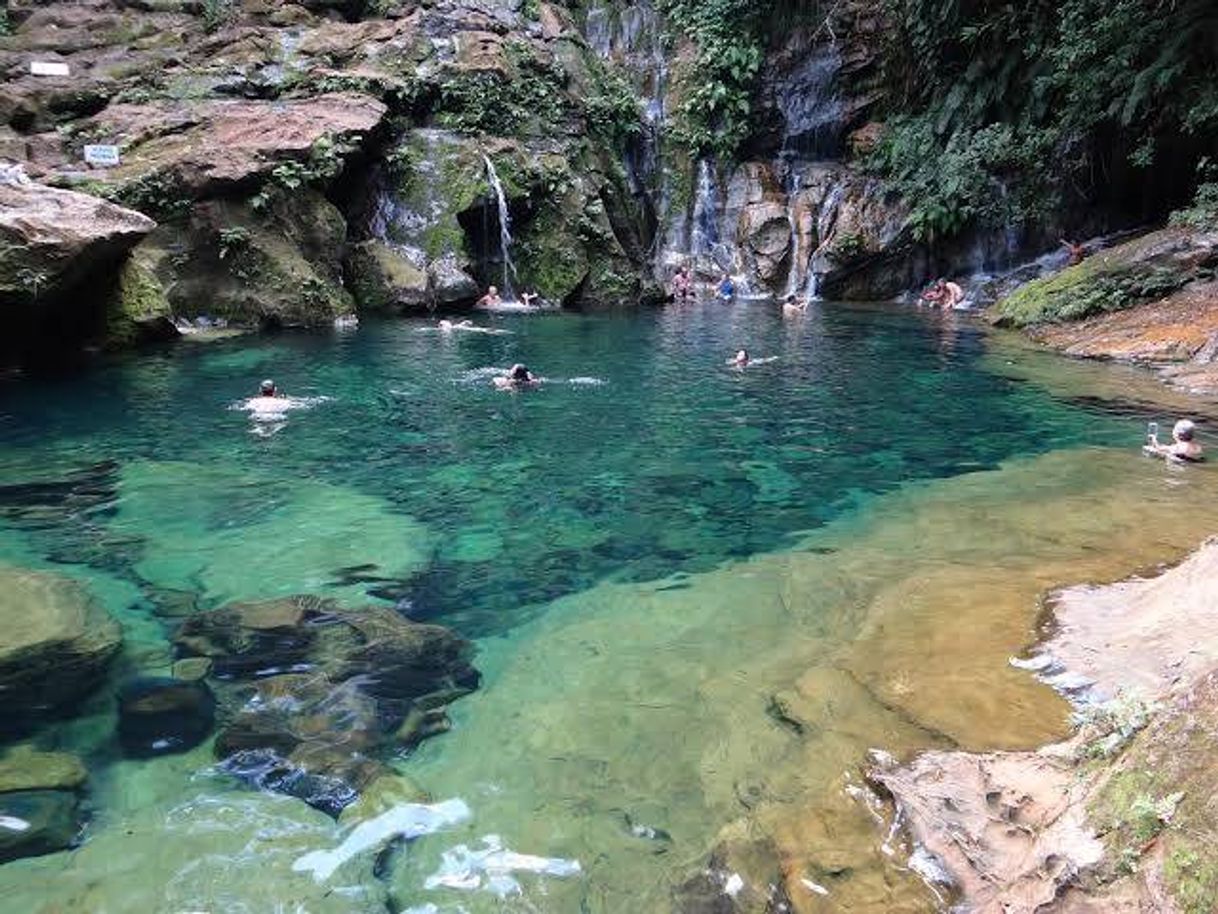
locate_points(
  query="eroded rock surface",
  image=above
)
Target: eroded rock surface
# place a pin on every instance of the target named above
(1043, 831)
(51, 239)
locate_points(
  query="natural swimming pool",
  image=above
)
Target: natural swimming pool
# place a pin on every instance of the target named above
(653, 552)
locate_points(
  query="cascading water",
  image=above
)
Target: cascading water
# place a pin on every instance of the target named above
(706, 211)
(632, 38)
(798, 263)
(505, 228)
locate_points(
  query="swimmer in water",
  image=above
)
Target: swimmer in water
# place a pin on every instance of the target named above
(1184, 446)
(742, 358)
(447, 326)
(793, 305)
(491, 299)
(517, 378)
(268, 389)
(527, 298)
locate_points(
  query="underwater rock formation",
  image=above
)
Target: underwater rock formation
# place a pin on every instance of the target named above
(55, 641)
(313, 694)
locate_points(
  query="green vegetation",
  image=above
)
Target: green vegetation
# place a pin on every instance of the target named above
(218, 13)
(715, 113)
(153, 193)
(527, 101)
(995, 107)
(325, 162)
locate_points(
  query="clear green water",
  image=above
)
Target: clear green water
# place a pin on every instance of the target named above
(644, 458)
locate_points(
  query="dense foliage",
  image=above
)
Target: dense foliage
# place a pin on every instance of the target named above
(715, 112)
(999, 108)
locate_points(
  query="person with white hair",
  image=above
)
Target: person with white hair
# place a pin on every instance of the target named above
(1184, 446)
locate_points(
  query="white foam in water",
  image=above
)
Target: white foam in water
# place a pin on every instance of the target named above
(12, 823)
(491, 867)
(407, 820)
(588, 382)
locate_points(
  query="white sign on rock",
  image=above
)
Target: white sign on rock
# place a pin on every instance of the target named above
(49, 68)
(101, 155)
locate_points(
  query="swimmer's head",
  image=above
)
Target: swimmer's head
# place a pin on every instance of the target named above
(446, 325)
(519, 372)
(492, 290)
(1184, 430)
(742, 356)
(267, 388)
(790, 300)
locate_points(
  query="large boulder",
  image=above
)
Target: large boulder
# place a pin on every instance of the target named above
(55, 641)
(51, 239)
(174, 151)
(313, 694)
(385, 279)
(26, 768)
(274, 264)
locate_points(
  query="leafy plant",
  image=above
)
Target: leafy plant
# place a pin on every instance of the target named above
(218, 13)
(715, 116)
(233, 240)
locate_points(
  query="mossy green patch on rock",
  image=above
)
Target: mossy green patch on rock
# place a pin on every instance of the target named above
(1138, 271)
(138, 308)
(385, 279)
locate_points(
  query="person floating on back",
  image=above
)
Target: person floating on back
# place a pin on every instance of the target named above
(1184, 446)
(517, 378)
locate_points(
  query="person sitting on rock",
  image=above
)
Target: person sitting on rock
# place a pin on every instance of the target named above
(1076, 252)
(1184, 446)
(935, 293)
(518, 377)
(491, 299)
(683, 284)
(727, 288)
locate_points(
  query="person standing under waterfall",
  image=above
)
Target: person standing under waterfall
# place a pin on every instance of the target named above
(727, 289)
(491, 299)
(683, 284)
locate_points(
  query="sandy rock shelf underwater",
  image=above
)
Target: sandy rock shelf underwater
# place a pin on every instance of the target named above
(714, 720)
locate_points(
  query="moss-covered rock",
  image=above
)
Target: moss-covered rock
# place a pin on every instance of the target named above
(384, 279)
(1129, 274)
(277, 266)
(138, 309)
(25, 768)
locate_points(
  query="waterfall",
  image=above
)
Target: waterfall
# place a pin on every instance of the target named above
(505, 228)
(797, 259)
(826, 222)
(706, 210)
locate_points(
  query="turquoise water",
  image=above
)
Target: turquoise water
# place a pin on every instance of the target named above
(407, 478)
(644, 454)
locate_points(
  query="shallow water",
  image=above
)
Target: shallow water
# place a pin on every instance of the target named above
(700, 593)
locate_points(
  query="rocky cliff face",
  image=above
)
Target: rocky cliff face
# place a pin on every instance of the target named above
(302, 159)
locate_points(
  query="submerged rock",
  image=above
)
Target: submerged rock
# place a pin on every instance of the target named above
(314, 693)
(157, 716)
(34, 822)
(55, 641)
(25, 768)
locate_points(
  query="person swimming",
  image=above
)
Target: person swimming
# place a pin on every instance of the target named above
(518, 377)
(741, 359)
(1184, 446)
(491, 299)
(268, 389)
(793, 305)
